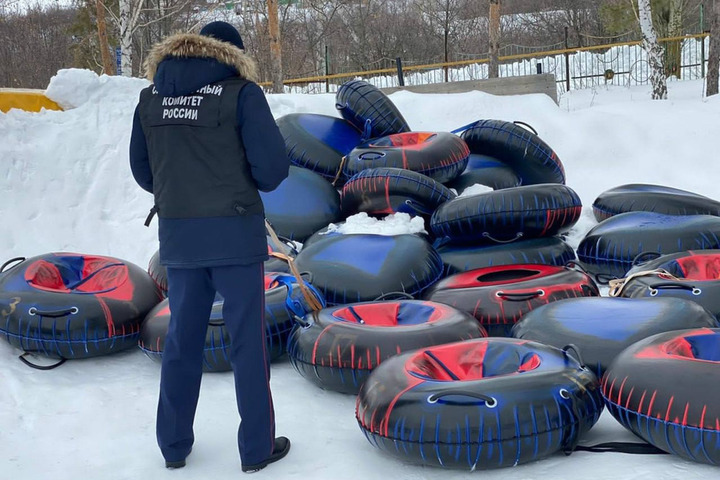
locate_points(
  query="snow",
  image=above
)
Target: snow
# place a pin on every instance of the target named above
(395, 224)
(67, 186)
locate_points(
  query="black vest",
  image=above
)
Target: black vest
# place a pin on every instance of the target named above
(196, 153)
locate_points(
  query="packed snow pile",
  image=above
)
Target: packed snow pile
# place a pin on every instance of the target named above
(395, 224)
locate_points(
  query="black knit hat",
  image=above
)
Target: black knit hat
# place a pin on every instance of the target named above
(224, 32)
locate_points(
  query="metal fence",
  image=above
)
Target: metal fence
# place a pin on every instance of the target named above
(574, 68)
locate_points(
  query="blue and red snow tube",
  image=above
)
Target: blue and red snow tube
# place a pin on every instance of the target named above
(665, 389)
(441, 156)
(524, 151)
(369, 110)
(339, 347)
(69, 305)
(479, 404)
(283, 298)
(383, 191)
(499, 296)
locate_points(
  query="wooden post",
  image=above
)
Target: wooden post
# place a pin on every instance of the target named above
(275, 48)
(109, 67)
(494, 39)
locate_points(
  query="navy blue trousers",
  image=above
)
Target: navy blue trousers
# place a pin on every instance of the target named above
(191, 293)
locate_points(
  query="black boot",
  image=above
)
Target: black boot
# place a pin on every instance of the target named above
(280, 449)
(176, 464)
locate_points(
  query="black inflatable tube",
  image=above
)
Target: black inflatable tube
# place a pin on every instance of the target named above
(361, 267)
(97, 313)
(441, 156)
(508, 215)
(545, 251)
(611, 247)
(318, 142)
(664, 389)
(369, 110)
(526, 153)
(601, 328)
(383, 191)
(339, 353)
(498, 297)
(652, 198)
(530, 401)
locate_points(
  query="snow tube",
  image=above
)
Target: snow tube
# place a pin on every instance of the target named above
(487, 171)
(69, 305)
(340, 346)
(280, 291)
(362, 267)
(532, 159)
(611, 247)
(383, 191)
(652, 198)
(693, 275)
(369, 110)
(508, 215)
(159, 273)
(479, 404)
(441, 156)
(545, 251)
(302, 204)
(318, 142)
(665, 390)
(499, 296)
(601, 328)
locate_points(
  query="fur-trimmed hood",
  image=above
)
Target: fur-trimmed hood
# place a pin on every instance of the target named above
(190, 45)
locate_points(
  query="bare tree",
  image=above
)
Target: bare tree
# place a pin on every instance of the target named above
(494, 36)
(714, 55)
(654, 51)
(675, 29)
(135, 15)
(108, 64)
(275, 48)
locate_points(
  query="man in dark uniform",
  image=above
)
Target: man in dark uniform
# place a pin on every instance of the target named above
(203, 143)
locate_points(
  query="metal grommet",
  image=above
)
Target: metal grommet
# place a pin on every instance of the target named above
(492, 404)
(564, 393)
(542, 292)
(696, 291)
(74, 310)
(653, 292)
(432, 399)
(499, 293)
(32, 311)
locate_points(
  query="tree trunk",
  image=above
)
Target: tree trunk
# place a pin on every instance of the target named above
(714, 54)
(446, 32)
(494, 36)
(275, 49)
(126, 31)
(109, 67)
(654, 51)
(674, 48)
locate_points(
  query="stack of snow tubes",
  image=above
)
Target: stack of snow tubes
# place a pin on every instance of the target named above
(638, 220)
(406, 318)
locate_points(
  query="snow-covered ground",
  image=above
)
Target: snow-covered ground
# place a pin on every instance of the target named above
(67, 186)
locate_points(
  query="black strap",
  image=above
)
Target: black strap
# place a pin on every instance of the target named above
(40, 367)
(622, 447)
(150, 216)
